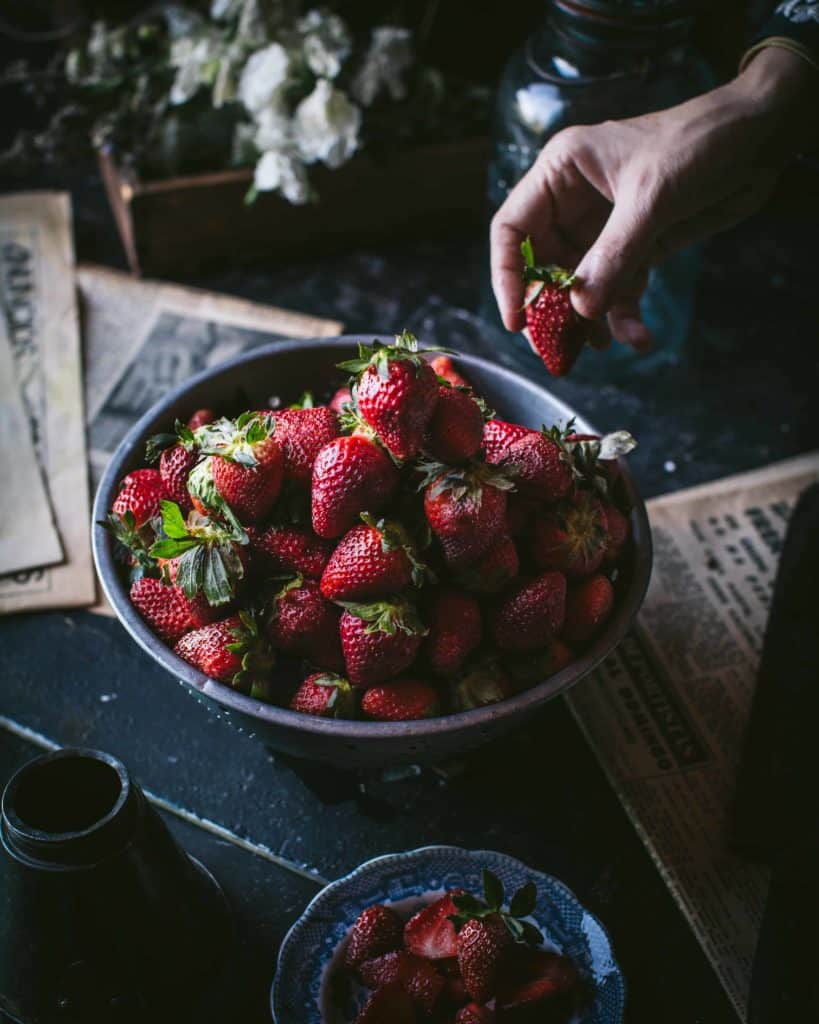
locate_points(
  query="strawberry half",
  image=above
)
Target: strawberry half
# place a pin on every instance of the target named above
(474, 1013)
(417, 975)
(556, 332)
(325, 695)
(377, 930)
(397, 392)
(389, 1005)
(430, 933)
(530, 614)
(232, 651)
(538, 985)
(374, 559)
(400, 700)
(379, 640)
(351, 475)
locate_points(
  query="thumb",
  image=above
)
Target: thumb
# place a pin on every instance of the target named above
(608, 268)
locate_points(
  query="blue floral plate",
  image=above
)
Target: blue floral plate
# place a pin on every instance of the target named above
(309, 989)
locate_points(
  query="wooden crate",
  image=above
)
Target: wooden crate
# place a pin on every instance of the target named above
(190, 223)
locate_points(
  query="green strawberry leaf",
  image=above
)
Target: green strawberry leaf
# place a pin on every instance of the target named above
(492, 889)
(469, 904)
(531, 934)
(170, 547)
(201, 486)
(527, 250)
(524, 901)
(190, 571)
(515, 927)
(173, 522)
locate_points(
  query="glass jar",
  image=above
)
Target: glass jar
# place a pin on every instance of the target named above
(597, 60)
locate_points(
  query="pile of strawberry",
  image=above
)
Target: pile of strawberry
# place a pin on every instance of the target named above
(461, 960)
(419, 555)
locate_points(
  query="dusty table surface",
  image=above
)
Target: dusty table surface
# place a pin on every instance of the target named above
(273, 831)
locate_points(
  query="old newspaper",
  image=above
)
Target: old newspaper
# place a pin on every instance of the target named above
(38, 305)
(666, 712)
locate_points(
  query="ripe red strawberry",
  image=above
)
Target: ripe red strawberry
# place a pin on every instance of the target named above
(493, 570)
(430, 933)
(166, 609)
(377, 930)
(301, 434)
(531, 613)
(400, 700)
(351, 475)
(483, 685)
(533, 667)
(232, 651)
(618, 529)
(537, 985)
(482, 943)
(541, 470)
(498, 437)
(201, 418)
(389, 1005)
(556, 332)
(455, 431)
(466, 509)
(379, 640)
(445, 368)
(397, 393)
(454, 630)
(175, 464)
(343, 397)
(473, 1013)
(418, 977)
(374, 559)
(302, 623)
(326, 696)
(243, 475)
(291, 549)
(589, 605)
(140, 494)
(572, 536)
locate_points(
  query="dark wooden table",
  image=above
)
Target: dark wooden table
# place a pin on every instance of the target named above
(273, 831)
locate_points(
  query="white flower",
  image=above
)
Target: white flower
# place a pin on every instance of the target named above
(278, 170)
(326, 125)
(263, 75)
(385, 63)
(327, 43)
(193, 57)
(273, 127)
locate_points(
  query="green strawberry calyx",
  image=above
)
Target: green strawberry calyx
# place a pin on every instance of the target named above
(521, 906)
(256, 656)
(388, 617)
(542, 274)
(584, 458)
(201, 486)
(134, 544)
(236, 439)
(304, 401)
(182, 435)
(393, 538)
(463, 482)
(379, 356)
(207, 553)
(342, 700)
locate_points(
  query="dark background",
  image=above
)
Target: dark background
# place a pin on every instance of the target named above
(743, 397)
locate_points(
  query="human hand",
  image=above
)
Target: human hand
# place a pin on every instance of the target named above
(614, 199)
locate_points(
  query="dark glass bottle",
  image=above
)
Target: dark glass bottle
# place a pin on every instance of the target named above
(597, 60)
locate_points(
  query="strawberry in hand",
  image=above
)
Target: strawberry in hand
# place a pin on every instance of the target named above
(556, 332)
(396, 393)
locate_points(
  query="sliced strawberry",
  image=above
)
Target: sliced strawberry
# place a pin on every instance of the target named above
(377, 930)
(389, 1005)
(430, 933)
(417, 975)
(474, 1013)
(538, 985)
